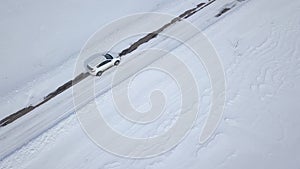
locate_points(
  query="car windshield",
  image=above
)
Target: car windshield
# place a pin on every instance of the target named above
(103, 63)
(108, 56)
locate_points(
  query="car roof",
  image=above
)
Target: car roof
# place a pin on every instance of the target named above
(96, 59)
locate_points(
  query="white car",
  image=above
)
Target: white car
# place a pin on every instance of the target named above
(98, 63)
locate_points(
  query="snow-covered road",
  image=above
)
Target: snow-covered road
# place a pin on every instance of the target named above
(42, 118)
(259, 127)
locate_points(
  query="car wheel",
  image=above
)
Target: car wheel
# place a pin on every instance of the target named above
(99, 73)
(117, 63)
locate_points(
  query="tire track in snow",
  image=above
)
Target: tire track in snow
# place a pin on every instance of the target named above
(11, 118)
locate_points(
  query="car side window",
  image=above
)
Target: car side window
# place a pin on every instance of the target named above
(103, 63)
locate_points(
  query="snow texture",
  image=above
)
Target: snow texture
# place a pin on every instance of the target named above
(258, 44)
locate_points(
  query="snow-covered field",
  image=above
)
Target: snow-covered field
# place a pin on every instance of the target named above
(258, 45)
